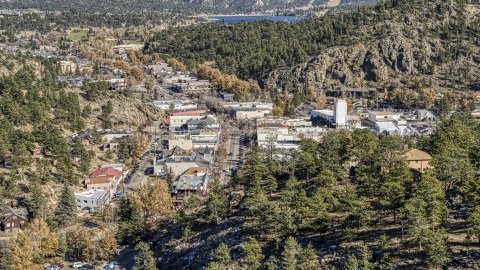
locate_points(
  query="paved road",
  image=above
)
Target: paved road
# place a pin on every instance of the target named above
(232, 146)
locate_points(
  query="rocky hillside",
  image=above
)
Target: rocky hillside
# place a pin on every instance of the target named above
(438, 46)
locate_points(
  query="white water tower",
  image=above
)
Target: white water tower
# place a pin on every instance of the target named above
(340, 112)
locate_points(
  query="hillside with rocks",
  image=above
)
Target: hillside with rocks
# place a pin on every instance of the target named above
(435, 46)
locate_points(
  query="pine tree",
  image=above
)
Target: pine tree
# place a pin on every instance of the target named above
(254, 256)
(37, 202)
(108, 154)
(352, 263)
(133, 227)
(290, 254)
(437, 249)
(65, 168)
(144, 260)
(271, 184)
(308, 258)
(222, 255)
(364, 256)
(272, 263)
(217, 202)
(123, 151)
(67, 207)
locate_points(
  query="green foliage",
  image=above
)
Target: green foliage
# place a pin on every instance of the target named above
(222, 255)
(94, 90)
(254, 256)
(217, 203)
(290, 254)
(437, 250)
(145, 259)
(123, 152)
(66, 211)
(37, 202)
(132, 222)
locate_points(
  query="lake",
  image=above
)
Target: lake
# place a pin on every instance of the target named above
(251, 18)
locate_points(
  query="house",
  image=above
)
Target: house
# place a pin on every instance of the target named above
(92, 200)
(13, 219)
(226, 96)
(193, 86)
(425, 115)
(418, 160)
(194, 179)
(37, 150)
(104, 178)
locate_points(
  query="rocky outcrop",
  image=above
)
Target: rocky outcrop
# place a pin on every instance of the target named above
(127, 110)
(391, 60)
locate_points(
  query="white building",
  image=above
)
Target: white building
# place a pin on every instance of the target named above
(325, 115)
(265, 107)
(178, 104)
(92, 200)
(242, 113)
(340, 112)
(383, 116)
(277, 135)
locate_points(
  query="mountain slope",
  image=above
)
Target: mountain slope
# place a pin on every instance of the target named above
(392, 43)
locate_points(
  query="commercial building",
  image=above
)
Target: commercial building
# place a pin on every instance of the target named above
(340, 113)
(194, 179)
(104, 178)
(177, 104)
(374, 116)
(184, 144)
(184, 112)
(92, 200)
(243, 113)
(226, 96)
(121, 49)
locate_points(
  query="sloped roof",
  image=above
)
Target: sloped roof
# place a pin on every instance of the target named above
(416, 154)
(106, 172)
(19, 212)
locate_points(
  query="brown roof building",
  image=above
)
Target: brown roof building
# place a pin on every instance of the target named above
(418, 160)
(13, 219)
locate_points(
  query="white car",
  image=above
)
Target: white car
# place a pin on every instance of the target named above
(227, 170)
(77, 264)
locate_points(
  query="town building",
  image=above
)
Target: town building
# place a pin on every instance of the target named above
(265, 107)
(67, 67)
(243, 113)
(207, 121)
(14, 219)
(121, 49)
(200, 86)
(228, 97)
(179, 78)
(177, 104)
(193, 180)
(181, 160)
(183, 144)
(104, 178)
(92, 200)
(418, 160)
(375, 116)
(184, 112)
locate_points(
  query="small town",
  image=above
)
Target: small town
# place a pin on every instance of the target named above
(276, 135)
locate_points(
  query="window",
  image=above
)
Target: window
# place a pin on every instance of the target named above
(84, 201)
(14, 217)
(416, 161)
(92, 202)
(8, 225)
(78, 200)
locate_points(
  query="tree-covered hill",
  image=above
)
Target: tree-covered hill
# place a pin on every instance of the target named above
(396, 43)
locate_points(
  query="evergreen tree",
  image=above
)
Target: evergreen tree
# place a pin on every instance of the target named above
(169, 177)
(123, 153)
(37, 202)
(65, 168)
(144, 260)
(290, 254)
(308, 258)
(271, 183)
(217, 203)
(254, 256)
(67, 207)
(222, 254)
(352, 263)
(133, 223)
(364, 257)
(108, 154)
(437, 249)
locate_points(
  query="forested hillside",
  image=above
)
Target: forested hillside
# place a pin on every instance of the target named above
(349, 202)
(396, 43)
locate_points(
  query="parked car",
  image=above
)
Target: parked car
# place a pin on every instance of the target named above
(77, 264)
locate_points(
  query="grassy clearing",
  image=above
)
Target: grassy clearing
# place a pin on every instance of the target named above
(77, 35)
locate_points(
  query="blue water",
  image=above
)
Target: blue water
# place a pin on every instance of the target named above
(251, 18)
